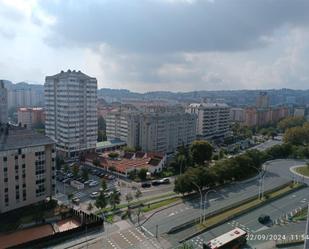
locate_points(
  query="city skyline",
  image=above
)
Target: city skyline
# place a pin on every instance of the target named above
(159, 44)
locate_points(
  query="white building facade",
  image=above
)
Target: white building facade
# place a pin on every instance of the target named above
(213, 119)
(150, 131)
(71, 112)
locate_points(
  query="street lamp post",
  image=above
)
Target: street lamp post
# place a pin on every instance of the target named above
(201, 200)
(205, 201)
(260, 179)
(306, 237)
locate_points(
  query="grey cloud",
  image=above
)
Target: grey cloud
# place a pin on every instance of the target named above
(152, 26)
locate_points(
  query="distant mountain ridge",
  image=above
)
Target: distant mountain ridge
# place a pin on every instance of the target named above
(232, 97)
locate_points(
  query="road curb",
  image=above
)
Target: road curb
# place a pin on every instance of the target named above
(292, 169)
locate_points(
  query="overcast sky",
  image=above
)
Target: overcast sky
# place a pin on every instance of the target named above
(147, 45)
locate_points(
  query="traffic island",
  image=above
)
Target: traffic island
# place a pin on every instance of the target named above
(223, 215)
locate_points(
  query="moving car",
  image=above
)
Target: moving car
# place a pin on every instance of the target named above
(264, 219)
(146, 185)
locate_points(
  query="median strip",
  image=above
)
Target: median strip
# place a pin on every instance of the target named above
(223, 215)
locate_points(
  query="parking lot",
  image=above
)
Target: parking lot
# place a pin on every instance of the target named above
(84, 189)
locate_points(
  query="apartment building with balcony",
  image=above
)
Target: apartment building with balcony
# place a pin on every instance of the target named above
(213, 119)
(159, 131)
(27, 168)
(71, 112)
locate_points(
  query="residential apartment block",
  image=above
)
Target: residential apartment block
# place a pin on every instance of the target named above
(27, 167)
(162, 131)
(213, 119)
(3, 103)
(262, 116)
(71, 112)
(28, 117)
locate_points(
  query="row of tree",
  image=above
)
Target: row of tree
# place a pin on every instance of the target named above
(235, 168)
(297, 135)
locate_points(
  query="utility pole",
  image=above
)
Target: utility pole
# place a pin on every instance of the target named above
(157, 228)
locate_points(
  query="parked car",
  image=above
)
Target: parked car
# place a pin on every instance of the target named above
(155, 183)
(93, 184)
(164, 181)
(69, 175)
(264, 219)
(88, 182)
(66, 180)
(111, 177)
(94, 195)
(76, 200)
(146, 185)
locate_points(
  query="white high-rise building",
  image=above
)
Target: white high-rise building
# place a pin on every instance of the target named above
(213, 119)
(3, 103)
(71, 112)
(152, 131)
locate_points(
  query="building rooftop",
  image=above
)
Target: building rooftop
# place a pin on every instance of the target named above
(209, 105)
(15, 137)
(69, 73)
(109, 144)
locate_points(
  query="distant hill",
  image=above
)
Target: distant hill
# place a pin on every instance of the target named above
(233, 97)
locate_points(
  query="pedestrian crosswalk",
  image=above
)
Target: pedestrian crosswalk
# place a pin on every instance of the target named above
(131, 238)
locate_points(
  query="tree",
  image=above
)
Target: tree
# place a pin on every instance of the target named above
(114, 199)
(142, 174)
(128, 149)
(101, 201)
(113, 155)
(103, 185)
(201, 151)
(181, 160)
(75, 170)
(129, 197)
(90, 206)
(290, 122)
(66, 168)
(138, 194)
(85, 174)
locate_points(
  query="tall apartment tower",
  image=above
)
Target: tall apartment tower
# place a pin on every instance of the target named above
(262, 100)
(3, 103)
(71, 112)
(213, 119)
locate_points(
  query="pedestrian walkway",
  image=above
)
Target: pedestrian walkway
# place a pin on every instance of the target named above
(131, 238)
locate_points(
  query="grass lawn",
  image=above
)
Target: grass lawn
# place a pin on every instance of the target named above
(304, 170)
(302, 215)
(124, 205)
(160, 204)
(240, 209)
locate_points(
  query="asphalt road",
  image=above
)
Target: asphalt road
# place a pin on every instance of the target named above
(249, 222)
(277, 173)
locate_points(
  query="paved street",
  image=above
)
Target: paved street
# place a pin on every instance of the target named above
(228, 195)
(277, 174)
(276, 210)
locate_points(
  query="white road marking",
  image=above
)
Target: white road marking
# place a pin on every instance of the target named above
(150, 233)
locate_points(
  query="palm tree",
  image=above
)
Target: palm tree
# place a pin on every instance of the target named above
(114, 199)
